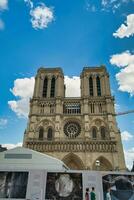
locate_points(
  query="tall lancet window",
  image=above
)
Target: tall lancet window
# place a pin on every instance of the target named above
(94, 133)
(103, 133)
(41, 133)
(50, 134)
(98, 84)
(52, 94)
(45, 84)
(91, 93)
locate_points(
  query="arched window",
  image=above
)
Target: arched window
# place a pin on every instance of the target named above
(98, 86)
(91, 93)
(50, 134)
(52, 94)
(103, 133)
(41, 133)
(94, 133)
(44, 94)
(92, 107)
(100, 108)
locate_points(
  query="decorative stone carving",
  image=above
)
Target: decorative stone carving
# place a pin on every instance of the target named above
(74, 146)
(98, 122)
(45, 123)
(72, 129)
(57, 127)
(86, 127)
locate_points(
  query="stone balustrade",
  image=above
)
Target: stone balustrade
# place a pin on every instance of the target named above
(72, 146)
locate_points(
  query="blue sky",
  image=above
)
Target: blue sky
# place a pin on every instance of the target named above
(69, 34)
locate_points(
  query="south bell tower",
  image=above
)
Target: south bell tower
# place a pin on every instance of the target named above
(80, 131)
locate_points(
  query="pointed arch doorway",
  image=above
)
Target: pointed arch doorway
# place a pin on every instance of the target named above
(73, 162)
(105, 165)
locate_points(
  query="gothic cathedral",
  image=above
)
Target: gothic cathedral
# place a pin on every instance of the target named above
(81, 131)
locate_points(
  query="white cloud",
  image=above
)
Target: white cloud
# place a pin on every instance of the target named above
(126, 136)
(2, 25)
(29, 3)
(11, 146)
(3, 122)
(106, 5)
(123, 59)
(3, 4)
(129, 157)
(23, 88)
(20, 107)
(125, 78)
(113, 5)
(117, 107)
(72, 86)
(41, 16)
(129, 153)
(127, 29)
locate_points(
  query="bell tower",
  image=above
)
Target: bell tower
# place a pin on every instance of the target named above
(95, 82)
(49, 83)
(46, 103)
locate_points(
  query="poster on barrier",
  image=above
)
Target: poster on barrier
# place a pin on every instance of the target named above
(67, 185)
(36, 185)
(64, 186)
(13, 184)
(92, 182)
(118, 186)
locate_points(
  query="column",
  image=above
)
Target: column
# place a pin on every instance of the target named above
(86, 111)
(59, 86)
(94, 86)
(59, 106)
(40, 85)
(102, 85)
(87, 86)
(49, 86)
(37, 86)
(84, 86)
(107, 84)
(81, 85)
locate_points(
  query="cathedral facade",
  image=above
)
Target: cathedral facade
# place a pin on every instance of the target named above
(80, 131)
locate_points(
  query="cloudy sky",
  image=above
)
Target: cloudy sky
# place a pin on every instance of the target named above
(68, 34)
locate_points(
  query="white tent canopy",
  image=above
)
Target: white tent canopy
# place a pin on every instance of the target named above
(23, 158)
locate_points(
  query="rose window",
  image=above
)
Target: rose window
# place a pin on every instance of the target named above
(72, 129)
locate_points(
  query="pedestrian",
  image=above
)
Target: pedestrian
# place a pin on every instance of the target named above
(87, 194)
(108, 195)
(92, 194)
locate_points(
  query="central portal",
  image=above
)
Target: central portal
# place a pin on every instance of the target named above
(73, 162)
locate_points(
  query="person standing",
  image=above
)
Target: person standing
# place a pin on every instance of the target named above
(87, 194)
(92, 194)
(108, 195)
